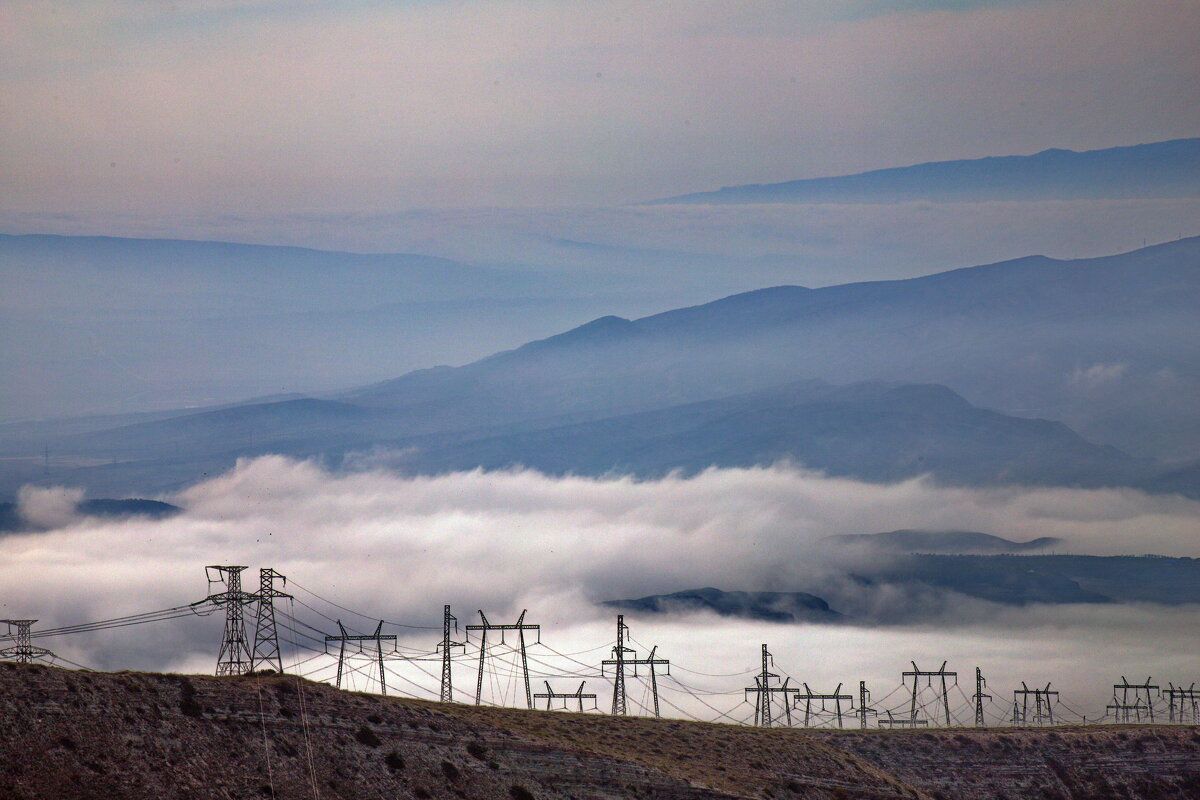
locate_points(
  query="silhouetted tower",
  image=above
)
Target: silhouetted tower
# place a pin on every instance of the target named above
(446, 647)
(979, 697)
(917, 673)
(22, 651)
(360, 639)
(520, 627)
(864, 707)
(619, 662)
(235, 657)
(266, 637)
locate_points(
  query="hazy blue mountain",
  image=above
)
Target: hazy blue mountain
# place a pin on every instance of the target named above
(1023, 579)
(941, 582)
(11, 521)
(1160, 169)
(942, 542)
(768, 606)
(873, 431)
(1111, 346)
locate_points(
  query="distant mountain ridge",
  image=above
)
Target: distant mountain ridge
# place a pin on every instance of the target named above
(1158, 169)
(1032, 336)
(1003, 373)
(768, 606)
(944, 542)
(867, 593)
(104, 507)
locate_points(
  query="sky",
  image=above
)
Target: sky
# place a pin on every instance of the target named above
(383, 545)
(221, 107)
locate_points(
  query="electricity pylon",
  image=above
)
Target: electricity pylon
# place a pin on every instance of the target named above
(979, 697)
(550, 696)
(235, 657)
(520, 627)
(23, 652)
(619, 662)
(808, 696)
(1043, 712)
(864, 708)
(378, 637)
(917, 673)
(446, 647)
(1125, 687)
(764, 716)
(266, 637)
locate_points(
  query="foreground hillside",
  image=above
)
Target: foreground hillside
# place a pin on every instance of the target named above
(67, 735)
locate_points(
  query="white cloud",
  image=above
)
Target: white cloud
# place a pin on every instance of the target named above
(399, 547)
(1097, 375)
(50, 507)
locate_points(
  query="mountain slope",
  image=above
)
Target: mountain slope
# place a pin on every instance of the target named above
(944, 542)
(872, 431)
(1159, 169)
(1111, 346)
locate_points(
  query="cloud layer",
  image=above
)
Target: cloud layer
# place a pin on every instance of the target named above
(400, 547)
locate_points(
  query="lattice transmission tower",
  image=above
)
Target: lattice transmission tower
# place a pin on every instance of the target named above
(266, 637)
(235, 657)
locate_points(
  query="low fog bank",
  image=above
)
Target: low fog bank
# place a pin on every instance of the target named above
(399, 547)
(694, 251)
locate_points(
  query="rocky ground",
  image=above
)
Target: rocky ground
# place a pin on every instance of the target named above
(74, 735)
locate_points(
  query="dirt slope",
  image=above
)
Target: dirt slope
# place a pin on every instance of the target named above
(73, 735)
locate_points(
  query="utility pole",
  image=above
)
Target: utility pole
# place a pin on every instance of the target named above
(979, 697)
(837, 697)
(917, 673)
(864, 708)
(619, 662)
(550, 696)
(378, 637)
(446, 647)
(1043, 713)
(23, 652)
(520, 627)
(266, 637)
(235, 657)
(1125, 687)
(763, 715)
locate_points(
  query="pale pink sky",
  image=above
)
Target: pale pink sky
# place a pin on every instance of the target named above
(275, 107)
